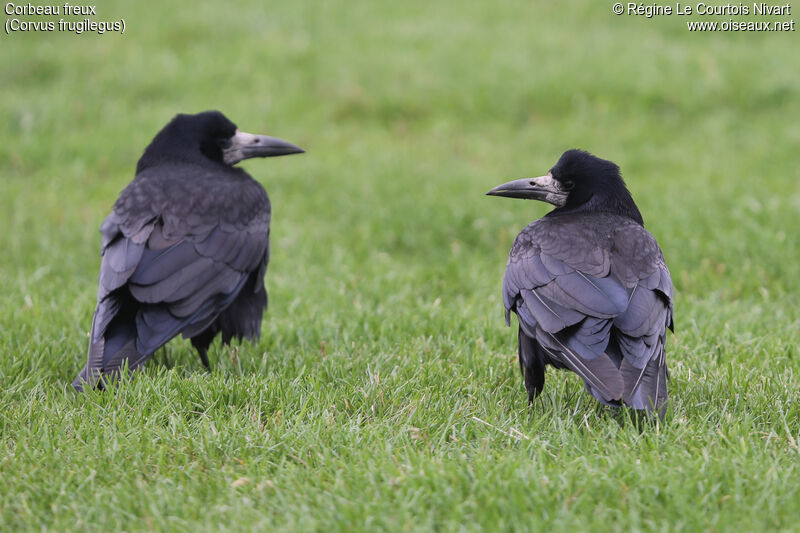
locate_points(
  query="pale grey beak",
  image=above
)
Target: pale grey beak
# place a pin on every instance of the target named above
(543, 188)
(246, 145)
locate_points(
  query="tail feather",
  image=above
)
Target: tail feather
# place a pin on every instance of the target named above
(646, 388)
(531, 363)
(109, 350)
(89, 376)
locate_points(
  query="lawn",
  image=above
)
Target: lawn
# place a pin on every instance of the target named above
(384, 393)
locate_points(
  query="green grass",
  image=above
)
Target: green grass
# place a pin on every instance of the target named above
(384, 393)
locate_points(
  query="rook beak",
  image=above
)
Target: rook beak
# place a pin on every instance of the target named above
(246, 145)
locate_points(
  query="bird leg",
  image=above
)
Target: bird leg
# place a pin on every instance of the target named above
(201, 343)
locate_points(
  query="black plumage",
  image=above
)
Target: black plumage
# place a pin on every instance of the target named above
(589, 286)
(185, 248)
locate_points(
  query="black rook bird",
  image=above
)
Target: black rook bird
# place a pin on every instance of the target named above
(589, 286)
(185, 248)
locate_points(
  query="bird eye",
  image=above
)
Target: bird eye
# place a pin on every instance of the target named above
(567, 185)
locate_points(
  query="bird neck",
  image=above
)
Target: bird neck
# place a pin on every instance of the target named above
(621, 203)
(180, 154)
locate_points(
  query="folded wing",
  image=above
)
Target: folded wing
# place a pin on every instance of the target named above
(594, 297)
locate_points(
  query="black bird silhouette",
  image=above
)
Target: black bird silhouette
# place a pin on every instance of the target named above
(589, 286)
(185, 248)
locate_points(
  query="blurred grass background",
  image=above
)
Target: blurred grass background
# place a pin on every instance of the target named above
(384, 393)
